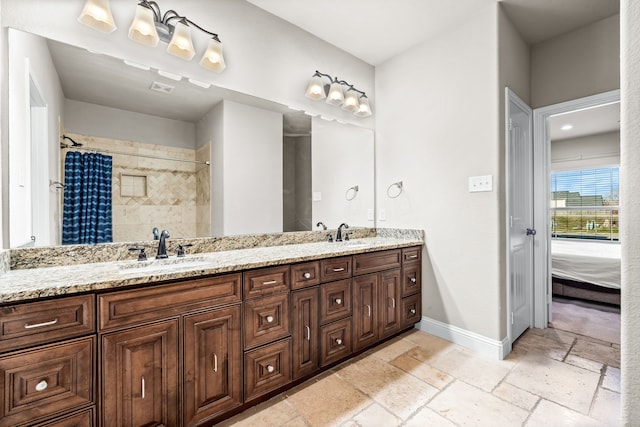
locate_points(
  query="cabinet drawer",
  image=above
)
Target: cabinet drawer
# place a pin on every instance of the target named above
(84, 418)
(305, 274)
(411, 279)
(267, 368)
(266, 281)
(46, 380)
(266, 319)
(335, 341)
(412, 255)
(22, 325)
(136, 306)
(335, 300)
(376, 261)
(335, 268)
(411, 310)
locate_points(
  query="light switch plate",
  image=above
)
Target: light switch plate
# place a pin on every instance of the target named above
(382, 215)
(480, 183)
(317, 196)
(370, 215)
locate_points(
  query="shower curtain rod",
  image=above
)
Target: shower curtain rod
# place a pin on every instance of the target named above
(148, 156)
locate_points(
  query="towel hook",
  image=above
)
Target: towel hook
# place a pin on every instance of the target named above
(351, 192)
(398, 186)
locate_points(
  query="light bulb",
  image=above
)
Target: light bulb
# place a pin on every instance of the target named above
(315, 89)
(97, 15)
(213, 58)
(181, 44)
(143, 28)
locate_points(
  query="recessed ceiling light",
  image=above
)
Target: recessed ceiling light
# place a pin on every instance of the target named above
(566, 127)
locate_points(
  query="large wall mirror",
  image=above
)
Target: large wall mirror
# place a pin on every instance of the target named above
(195, 159)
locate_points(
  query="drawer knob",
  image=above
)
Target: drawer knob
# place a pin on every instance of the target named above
(412, 256)
(40, 325)
(413, 280)
(338, 301)
(270, 368)
(270, 282)
(337, 270)
(338, 341)
(412, 311)
(269, 319)
(307, 275)
(42, 385)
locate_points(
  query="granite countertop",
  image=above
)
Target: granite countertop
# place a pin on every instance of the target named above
(30, 284)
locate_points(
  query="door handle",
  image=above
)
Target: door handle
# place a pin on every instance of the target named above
(531, 231)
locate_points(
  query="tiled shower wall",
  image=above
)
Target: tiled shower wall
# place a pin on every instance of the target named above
(167, 194)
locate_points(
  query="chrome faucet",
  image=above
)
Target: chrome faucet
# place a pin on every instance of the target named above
(339, 233)
(321, 224)
(162, 245)
(156, 233)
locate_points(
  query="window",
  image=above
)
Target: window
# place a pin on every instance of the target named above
(585, 204)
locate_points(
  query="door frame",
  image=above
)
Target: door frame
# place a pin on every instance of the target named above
(541, 175)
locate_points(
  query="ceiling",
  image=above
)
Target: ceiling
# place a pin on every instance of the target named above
(596, 120)
(377, 30)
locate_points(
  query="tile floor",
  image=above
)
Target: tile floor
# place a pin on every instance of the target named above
(552, 378)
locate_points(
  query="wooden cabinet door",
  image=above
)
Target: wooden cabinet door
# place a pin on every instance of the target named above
(212, 363)
(365, 311)
(305, 332)
(140, 376)
(390, 302)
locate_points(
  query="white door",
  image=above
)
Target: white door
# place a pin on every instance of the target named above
(520, 232)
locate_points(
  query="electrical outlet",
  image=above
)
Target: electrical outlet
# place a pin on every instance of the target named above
(480, 183)
(382, 216)
(370, 215)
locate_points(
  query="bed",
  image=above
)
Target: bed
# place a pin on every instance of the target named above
(586, 269)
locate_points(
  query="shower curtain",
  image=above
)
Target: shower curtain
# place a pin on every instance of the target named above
(87, 198)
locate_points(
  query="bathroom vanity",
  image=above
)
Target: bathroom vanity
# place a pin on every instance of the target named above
(192, 341)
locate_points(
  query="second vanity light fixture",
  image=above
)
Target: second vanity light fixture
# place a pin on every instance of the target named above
(150, 25)
(353, 100)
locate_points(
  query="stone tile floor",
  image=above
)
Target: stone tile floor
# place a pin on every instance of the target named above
(552, 378)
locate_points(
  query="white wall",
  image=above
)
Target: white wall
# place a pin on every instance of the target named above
(341, 157)
(96, 120)
(590, 151)
(577, 64)
(437, 116)
(29, 56)
(630, 192)
(253, 170)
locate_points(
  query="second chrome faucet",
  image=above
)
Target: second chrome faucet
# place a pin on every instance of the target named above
(162, 245)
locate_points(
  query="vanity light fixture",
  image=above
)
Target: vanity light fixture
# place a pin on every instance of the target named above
(353, 100)
(150, 26)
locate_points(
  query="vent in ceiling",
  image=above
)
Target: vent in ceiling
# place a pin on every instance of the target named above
(161, 87)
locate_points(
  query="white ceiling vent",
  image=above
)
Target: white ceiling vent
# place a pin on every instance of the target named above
(161, 87)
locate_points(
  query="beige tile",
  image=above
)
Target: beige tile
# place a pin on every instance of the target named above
(517, 396)
(429, 344)
(274, 412)
(423, 371)
(606, 407)
(550, 414)
(597, 352)
(583, 363)
(427, 417)
(464, 404)
(611, 379)
(556, 381)
(400, 393)
(553, 345)
(296, 422)
(393, 349)
(472, 367)
(330, 401)
(376, 415)
(552, 334)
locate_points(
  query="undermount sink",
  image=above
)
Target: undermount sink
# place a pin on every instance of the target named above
(163, 265)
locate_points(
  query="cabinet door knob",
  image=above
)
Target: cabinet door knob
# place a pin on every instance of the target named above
(307, 275)
(412, 311)
(269, 319)
(338, 301)
(215, 362)
(308, 329)
(413, 280)
(270, 368)
(42, 385)
(368, 309)
(338, 341)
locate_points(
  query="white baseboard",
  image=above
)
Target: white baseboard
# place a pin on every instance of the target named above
(471, 340)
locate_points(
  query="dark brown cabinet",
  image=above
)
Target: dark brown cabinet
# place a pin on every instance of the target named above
(304, 305)
(267, 368)
(140, 376)
(390, 302)
(212, 373)
(365, 311)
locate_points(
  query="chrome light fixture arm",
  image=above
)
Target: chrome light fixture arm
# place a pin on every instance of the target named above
(171, 14)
